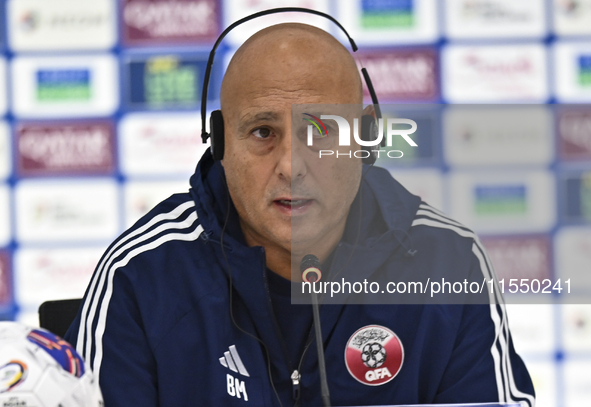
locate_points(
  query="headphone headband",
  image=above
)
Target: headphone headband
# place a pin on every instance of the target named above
(204, 134)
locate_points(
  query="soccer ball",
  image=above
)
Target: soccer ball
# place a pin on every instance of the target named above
(373, 355)
(39, 369)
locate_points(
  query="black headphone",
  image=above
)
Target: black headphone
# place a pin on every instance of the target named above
(369, 128)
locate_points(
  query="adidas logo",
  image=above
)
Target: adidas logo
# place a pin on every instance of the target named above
(232, 361)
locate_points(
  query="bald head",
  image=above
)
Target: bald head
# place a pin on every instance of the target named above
(290, 59)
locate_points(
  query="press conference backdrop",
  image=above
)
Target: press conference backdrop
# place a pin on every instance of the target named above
(99, 121)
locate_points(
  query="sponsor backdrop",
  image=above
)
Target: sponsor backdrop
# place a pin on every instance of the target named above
(99, 121)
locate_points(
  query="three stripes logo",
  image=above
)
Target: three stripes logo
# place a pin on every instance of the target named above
(232, 361)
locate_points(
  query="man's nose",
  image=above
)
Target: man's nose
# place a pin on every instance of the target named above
(291, 164)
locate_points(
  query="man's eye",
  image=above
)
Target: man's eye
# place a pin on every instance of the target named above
(261, 133)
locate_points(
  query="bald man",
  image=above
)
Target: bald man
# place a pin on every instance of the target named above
(268, 177)
(191, 306)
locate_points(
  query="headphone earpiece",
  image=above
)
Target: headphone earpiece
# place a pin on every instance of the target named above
(369, 132)
(216, 133)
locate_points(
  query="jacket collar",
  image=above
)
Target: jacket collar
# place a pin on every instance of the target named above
(379, 222)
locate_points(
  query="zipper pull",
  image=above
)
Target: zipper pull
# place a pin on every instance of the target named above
(295, 380)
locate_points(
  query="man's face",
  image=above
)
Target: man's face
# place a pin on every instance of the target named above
(284, 194)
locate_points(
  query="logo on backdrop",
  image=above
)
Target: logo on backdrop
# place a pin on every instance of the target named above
(160, 21)
(52, 148)
(403, 74)
(63, 85)
(374, 355)
(387, 14)
(29, 21)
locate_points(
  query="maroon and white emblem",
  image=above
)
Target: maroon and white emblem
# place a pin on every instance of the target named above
(374, 355)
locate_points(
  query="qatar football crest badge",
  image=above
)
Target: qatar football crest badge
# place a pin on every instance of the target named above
(374, 355)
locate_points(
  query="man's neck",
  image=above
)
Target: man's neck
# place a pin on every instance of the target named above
(285, 261)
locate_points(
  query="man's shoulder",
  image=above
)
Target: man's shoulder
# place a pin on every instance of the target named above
(170, 209)
(448, 246)
(419, 213)
(384, 184)
(395, 204)
(156, 272)
(161, 256)
(436, 220)
(171, 223)
(435, 229)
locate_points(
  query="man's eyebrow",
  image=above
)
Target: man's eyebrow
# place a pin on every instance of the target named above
(248, 119)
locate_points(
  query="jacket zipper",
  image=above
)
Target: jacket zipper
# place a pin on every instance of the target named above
(296, 375)
(295, 382)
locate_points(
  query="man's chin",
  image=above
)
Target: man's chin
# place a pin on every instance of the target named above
(304, 241)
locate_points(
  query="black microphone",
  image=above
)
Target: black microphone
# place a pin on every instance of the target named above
(310, 268)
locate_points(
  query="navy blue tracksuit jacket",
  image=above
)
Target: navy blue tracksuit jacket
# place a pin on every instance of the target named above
(155, 322)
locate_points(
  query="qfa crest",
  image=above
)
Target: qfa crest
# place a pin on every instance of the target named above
(374, 355)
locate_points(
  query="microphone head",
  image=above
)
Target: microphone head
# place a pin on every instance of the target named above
(310, 268)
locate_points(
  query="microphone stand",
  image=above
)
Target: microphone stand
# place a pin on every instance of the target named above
(310, 268)
(324, 392)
